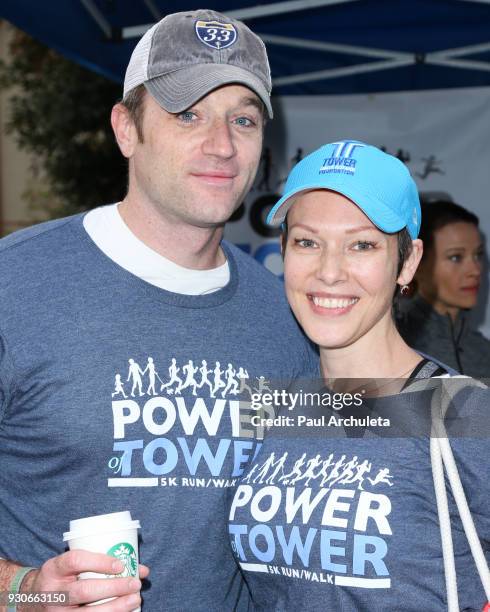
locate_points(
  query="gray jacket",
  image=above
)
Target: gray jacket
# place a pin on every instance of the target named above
(455, 344)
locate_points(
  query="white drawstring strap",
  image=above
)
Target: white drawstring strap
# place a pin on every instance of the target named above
(442, 457)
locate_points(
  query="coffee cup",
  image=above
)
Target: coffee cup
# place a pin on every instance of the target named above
(113, 534)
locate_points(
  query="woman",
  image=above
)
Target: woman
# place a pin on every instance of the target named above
(338, 512)
(436, 320)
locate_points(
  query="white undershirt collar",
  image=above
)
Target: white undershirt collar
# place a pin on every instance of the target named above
(110, 233)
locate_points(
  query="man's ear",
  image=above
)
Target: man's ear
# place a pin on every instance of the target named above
(411, 263)
(124, 130)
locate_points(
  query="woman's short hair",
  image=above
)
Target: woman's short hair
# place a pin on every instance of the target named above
(405, 247)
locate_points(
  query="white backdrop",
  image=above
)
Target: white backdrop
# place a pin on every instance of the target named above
(443, 136)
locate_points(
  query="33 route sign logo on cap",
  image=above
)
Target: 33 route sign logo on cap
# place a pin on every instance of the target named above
(215, 34)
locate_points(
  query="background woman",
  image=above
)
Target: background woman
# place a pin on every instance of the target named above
(340, 513)
(436, 321)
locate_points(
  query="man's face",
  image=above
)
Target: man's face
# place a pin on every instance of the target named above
(196, 167)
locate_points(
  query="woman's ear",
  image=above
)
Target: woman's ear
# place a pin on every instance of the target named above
(411, 263)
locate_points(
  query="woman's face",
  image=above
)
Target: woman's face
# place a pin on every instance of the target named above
(449, 275)
(340, 270)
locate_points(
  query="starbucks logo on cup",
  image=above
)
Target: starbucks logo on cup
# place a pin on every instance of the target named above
(124, 552)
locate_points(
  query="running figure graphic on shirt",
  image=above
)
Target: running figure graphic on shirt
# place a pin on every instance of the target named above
(383, 476)
(278, 467)
(218, 383)
(335, 474)
(296, 471)
(326, 463)
(173, 371)
(361, 469)
(231, 382)
(309, 473)
(189, 370)
(263, 385)
(264, 468)
(331, 472)
(242, 376)
(205, 372)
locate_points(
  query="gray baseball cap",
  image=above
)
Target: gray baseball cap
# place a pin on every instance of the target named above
(186, 55)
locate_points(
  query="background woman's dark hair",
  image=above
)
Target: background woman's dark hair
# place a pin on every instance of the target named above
(438, 214)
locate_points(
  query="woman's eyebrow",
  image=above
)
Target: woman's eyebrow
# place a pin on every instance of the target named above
(352, 230)
(304, 226)
(361, 228)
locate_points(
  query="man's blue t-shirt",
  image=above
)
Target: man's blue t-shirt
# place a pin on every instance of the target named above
(117, 395)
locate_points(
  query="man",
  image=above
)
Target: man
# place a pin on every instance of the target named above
(82, 297)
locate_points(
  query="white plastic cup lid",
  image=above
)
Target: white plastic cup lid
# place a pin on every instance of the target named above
(101, 523)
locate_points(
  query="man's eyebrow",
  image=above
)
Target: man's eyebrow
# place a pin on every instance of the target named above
(251, 101)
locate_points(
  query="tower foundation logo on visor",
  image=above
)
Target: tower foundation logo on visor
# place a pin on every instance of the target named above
(215, 34)
(415, 217)
(341, 160)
